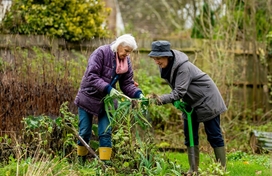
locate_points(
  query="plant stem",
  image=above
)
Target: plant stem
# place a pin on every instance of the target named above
(126, 97)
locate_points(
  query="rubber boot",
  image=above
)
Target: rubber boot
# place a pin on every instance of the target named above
(105, 153)
(193, 169)
(82, 154)
(220, 155)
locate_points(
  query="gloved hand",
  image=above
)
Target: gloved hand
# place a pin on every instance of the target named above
(142, 96)
(183, 106)
(179, 105)
(144, 101)
(114, 92)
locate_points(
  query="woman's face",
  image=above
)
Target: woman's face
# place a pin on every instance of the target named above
(162, 62)
(123, 51)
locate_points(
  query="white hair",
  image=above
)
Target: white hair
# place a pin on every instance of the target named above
(124, 40)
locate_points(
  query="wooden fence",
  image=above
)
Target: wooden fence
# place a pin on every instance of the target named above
(250, 92)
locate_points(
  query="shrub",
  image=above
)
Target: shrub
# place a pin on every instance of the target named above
(71, 20)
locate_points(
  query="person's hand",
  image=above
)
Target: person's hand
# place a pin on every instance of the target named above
(136, 84)
(114, 92)
(182, 106)
(144, 101)
(178, 105)
(154, 99)
(141, 96)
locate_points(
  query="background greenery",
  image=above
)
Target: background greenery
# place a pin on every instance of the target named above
(72, 20)
(36, 82)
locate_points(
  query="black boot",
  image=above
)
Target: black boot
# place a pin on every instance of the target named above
(220, 155)
(82, 160)
(193, 168)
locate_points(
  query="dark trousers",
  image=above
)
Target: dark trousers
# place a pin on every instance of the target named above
(212, 129)
(85, 128)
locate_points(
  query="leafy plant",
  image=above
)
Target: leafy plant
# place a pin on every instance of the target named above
(214, 169)
(71, 20)
(49, 134)
(135, 152)
(125, 114)
(245, 157)
(6, 149)
(126, 121)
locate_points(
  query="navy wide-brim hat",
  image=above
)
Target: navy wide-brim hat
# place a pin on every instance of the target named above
(160, 48)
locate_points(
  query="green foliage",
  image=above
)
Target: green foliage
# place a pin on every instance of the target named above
(269, 43)
(6, 149)
(263, 25)
(265, 59)
(152, 83)
(10, 169)
(133, 143)
(40, 165)
(243, 164)
(235, 156)
(204, 23)
(238, 163)
(41, 125)
(126, 112)
(2, 65)
(247, 158)
(44, 67)
(126, 121)
(214, 169)
(49, 134)
(246, 18)
(74, 20)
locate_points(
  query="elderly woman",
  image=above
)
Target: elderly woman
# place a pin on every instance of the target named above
(107, 65)
(198, 90)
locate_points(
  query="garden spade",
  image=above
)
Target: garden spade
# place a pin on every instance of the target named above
(182, 106)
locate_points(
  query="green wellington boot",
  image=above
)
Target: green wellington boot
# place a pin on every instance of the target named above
(220, 155)
(193, 169)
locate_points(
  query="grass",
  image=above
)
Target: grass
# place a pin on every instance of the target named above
(38, 166)
(238, 163)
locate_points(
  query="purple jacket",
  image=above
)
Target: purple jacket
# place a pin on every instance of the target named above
(95, 84)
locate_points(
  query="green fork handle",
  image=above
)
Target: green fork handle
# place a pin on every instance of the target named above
(190, 128)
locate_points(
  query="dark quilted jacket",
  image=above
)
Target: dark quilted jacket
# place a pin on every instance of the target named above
(96, 81)
(194, 87)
